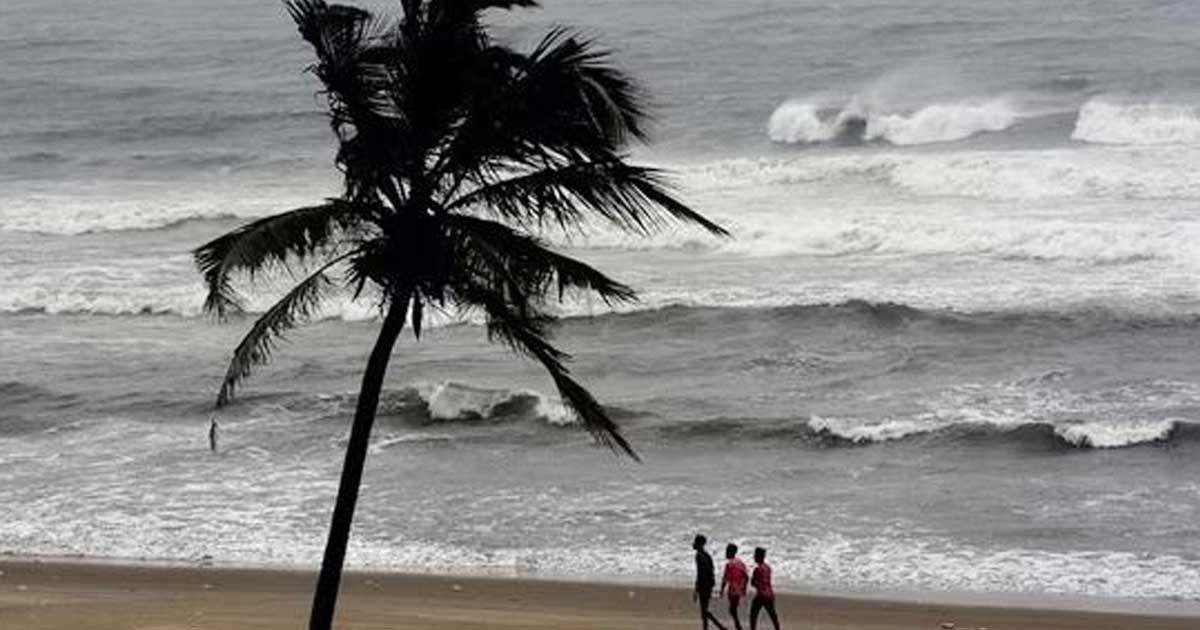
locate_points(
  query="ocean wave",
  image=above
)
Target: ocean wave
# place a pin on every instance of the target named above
(40, 157)
(1088, 435)
(82, 207)
(722, 308)
(409, 439)
(26, 407)
(828, 432)
(69, 215)
(894, 315)
(456, 402)
(1119, 173)
(451, 402)
(18, 394)
(800, 122)
(1100, 120)
(1103, 121)
(158, 299)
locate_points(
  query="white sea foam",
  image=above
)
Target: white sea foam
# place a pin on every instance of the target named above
(1037, 407)
(1111, 122)
(81, 207)
(169, 285)
(410, 437)
(901, 562)
(1089, 434)
(555, 411)
(182, 299)
(1125, 173)
(1110, 435)
(860, 432)
(451, 401)
(942, 122)
(798, 121)
(455, 401)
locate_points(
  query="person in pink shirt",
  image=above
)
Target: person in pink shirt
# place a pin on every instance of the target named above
(733, 583)
(764, 593)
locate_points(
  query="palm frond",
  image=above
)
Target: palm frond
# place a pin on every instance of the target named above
(526, 333)
(564, 100)
(483, 5)
(634, 198)
(352, 54)
(295, 234)
(520, 261)
(459, 10)
(578, 76)
(298, 305)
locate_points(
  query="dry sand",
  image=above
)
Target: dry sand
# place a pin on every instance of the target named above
(40, 595)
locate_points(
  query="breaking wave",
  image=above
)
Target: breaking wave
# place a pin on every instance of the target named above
(1108, 122)
(76, 208)
(449, 402)
(838, 432)
(71, 215)
(456, 402)
(1100, 120)
(1095, 435)
(454, 407)
(800, 122)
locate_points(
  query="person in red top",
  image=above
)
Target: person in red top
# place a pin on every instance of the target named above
(733, 583)
(764, 594)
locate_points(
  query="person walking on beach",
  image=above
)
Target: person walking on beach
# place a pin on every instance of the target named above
(706, 580)
(733, 582)
(764, 593)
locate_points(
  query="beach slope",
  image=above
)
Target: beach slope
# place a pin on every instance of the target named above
(41, 595)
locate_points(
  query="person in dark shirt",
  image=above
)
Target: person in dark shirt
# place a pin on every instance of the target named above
(706, 580)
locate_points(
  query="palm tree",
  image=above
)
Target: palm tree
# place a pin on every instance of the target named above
(458, 154)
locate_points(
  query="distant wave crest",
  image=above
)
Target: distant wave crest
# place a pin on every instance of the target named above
(800, 122)
(1097, 435)
(1100, 120)
(840, 432)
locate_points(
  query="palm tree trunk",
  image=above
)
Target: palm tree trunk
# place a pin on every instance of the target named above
(325, 598)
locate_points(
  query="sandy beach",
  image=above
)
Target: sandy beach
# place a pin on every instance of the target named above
(45, 595)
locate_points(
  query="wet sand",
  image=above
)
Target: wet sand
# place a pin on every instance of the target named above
(44, 595)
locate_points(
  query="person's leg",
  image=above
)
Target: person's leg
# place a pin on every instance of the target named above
(734, 601)
(770, 606)
(706, 614)
(755, 607)
(702, 599)
(716, 622)
(709, 616)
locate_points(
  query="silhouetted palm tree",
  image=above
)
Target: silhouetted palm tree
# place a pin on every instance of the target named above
(457, 153)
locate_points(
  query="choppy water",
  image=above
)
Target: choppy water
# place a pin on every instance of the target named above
(953, 346)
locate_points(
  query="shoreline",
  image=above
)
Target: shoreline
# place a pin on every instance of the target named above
(41, 594)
